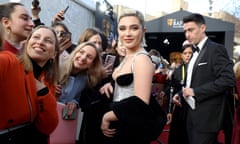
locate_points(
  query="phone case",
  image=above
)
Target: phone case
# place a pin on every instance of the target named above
(66, 117)
(109, 60)
(65, 10)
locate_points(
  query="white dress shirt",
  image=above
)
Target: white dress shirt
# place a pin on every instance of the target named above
(193, 60)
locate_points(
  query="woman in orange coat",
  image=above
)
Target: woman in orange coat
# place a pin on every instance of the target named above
(17, 25)
(28, 104)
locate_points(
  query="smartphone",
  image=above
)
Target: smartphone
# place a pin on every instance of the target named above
(66, 117)
(109, 60)
(35, 3)
(65, 10)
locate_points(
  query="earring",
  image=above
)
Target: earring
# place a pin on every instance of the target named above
(8, 33)
(143, 44)
(50, 61)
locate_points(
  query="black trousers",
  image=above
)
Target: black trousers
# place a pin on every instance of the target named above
(24, 135)
(196, 137)
(178, 130)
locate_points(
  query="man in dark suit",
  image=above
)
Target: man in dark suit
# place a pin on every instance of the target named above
(209, 76)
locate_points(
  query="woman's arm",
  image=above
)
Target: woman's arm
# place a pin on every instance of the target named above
(143, 71)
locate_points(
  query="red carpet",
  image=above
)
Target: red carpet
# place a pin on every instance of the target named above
(163, 138)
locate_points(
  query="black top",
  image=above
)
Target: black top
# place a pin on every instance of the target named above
(125, 79)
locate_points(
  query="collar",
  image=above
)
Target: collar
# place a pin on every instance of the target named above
(9, 47)
(201, 43)
(37, 70)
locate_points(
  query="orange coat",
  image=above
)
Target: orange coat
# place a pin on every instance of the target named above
(19, 103)
(11, 48)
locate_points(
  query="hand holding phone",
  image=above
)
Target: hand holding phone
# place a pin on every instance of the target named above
(108, 64)
(60, 15)
(65, 115)
(65, 10)
(109, 60)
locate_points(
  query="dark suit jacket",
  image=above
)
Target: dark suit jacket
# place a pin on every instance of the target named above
(212, 77)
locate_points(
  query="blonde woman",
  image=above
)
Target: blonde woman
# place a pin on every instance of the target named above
(82, 68)
(130, 119)
(28, 105)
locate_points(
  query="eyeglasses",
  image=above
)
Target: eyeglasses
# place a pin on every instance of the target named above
(62, 33)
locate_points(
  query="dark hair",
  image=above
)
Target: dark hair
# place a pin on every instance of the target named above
(195, 17)
(35, 3)
(154, 52)
(6, 9)
(105, 43)
(186, 46)
(55, 24)
(87, 34)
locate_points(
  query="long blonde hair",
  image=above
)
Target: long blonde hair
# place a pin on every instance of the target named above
(52, 66)
(94, 73)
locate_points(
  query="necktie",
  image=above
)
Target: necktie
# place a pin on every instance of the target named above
(195, 49)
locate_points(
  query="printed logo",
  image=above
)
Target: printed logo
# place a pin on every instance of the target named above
(174, 23)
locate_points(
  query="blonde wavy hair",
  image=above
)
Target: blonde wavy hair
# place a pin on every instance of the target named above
(94, 73)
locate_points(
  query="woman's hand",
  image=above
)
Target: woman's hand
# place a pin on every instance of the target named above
(106, 121)
(58, 91)
(35, 12)
(235, 96)
(169, 118)
(71, 106)
(65, 43)
(107, 89)
(176, 100)
(108, 69)
(59, 16)
(40, 84)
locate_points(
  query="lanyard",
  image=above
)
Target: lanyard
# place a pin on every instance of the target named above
(183, 73)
